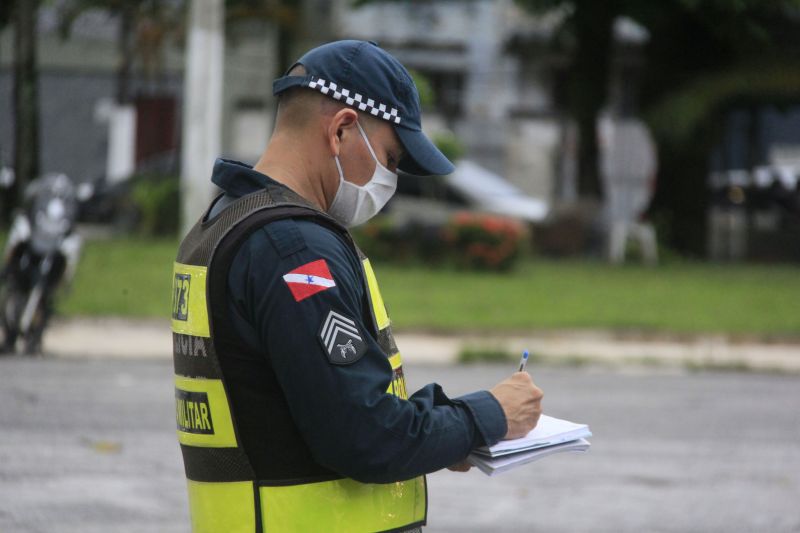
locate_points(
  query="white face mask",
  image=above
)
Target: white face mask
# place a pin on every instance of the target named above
(355, 204)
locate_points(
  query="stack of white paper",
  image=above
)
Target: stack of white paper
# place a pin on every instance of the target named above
(551, 435)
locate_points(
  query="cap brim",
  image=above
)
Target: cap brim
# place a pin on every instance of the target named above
(287, 82)
(422, 157)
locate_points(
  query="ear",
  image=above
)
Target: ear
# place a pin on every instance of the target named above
(342, 124)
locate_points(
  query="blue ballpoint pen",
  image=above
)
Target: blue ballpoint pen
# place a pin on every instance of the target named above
(523, 361)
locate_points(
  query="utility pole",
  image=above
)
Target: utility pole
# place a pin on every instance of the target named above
(202, 106)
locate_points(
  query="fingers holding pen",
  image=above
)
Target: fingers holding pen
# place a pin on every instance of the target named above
(521, 401)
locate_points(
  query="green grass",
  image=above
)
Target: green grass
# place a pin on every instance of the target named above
(132, 277)
(122, 277)
(485, 355)
(678, 297)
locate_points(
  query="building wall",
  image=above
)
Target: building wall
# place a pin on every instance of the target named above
(532, 150)
(461, 42)
(73, 138)
(248, 112)
(77, 75)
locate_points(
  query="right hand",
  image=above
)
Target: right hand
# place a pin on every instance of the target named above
(521, 401)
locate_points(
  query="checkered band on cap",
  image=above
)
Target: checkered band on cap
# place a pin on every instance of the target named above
(354, 99)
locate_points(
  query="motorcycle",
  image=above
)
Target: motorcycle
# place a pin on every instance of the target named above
(40, 256)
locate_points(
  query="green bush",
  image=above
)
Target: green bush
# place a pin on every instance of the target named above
(485, 242)
(485, 355)
(449, 144)
(470, 241)
(427, 96)
(157, 201)
(382, 240)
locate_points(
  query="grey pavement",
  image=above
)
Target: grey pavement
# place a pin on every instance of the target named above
(88, 445)
(111, 337)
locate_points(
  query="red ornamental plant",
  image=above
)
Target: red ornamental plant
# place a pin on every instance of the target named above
(485, 241)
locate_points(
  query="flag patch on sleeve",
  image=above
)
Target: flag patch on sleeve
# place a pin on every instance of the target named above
(309, 279)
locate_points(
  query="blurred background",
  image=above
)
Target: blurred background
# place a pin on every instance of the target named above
(597, 134)
(625, 195)
(646, 133)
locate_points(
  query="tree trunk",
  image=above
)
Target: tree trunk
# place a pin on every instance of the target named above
(681, 49)
(4, 201)
(26, 103)
(593, 22)
(680, 203)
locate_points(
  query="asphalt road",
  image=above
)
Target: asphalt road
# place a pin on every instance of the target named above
(88, 446)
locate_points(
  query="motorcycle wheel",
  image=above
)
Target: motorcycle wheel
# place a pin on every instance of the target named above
(33, 339)
(11, 303)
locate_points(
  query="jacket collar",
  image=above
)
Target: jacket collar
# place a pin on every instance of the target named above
(237, 178)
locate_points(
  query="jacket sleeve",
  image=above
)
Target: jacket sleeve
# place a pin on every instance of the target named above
(350, 422)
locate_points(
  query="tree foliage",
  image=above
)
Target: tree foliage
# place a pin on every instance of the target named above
(587, 29)
(5, 12)
(286, 15)
(702, 56)
(145, 27)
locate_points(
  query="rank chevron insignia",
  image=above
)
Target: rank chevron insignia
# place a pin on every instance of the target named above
(341, 339)
(334, 324)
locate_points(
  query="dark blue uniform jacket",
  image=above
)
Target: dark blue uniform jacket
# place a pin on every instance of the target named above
(350, 423)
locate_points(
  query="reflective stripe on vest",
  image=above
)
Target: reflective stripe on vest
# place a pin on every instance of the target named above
(204, 420)
(398, 384)
(340, 506)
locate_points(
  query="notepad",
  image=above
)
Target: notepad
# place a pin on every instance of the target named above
(551, 435)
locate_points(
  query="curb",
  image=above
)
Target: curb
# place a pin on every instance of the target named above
(151, 339)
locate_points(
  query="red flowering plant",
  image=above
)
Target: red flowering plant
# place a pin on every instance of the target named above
(382, 240)
(486, 242)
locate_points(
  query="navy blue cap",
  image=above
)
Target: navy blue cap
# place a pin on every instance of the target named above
(362, 75)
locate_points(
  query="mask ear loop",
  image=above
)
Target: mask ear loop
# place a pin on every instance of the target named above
(338, 167)
(369, 147)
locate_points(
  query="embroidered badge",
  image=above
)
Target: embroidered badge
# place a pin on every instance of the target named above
(309, 279)
(341, 339)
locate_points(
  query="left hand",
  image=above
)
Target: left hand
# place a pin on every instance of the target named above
(463, 466)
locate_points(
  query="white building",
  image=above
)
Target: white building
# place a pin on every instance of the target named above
(499, 86)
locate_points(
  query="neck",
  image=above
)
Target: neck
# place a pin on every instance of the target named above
(284, 163)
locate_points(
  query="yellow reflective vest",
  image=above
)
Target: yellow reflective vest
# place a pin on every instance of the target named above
(225, 493)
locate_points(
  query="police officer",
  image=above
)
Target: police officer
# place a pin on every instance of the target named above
(291, 401)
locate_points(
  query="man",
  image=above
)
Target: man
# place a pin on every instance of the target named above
(291, 401)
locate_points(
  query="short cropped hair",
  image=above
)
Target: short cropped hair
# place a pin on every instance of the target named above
(298, 105)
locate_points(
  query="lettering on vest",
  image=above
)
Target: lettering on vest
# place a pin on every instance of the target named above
(188, 345)
(180, 296)
(193, 413)
(399, 384)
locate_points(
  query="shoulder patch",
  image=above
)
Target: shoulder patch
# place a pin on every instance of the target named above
(309, 279)
(341, 339)
(285, 237)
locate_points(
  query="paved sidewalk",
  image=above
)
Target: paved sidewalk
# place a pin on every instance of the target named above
(116, 337)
